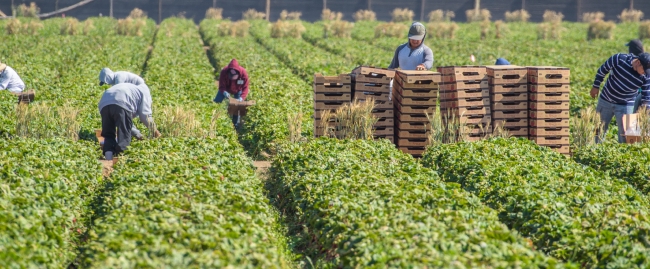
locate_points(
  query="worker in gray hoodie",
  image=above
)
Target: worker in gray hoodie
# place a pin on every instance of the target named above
(106, 76)
(413, 55)
(118, 106)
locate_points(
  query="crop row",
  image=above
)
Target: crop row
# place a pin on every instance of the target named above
(570, 212)
(358, 203)
(47, 189)
(278, 93)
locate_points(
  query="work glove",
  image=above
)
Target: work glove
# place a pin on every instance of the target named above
(240, 99)
(226, 94)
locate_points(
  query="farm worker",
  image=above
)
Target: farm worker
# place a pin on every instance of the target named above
(627, 74)
(106, 76)
(9, 80)
(413, 55)
(502, 61)
(635, 47)
(233, 80)
(118, 106)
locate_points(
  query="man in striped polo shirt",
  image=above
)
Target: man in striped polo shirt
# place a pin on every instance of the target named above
(627, 73)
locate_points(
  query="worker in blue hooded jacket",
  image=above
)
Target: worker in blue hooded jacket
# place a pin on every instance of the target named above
(106, 76)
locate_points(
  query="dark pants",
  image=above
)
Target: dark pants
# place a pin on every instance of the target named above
(116, 121)
(219, 98)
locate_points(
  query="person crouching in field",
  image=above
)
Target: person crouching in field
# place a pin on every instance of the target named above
(118, 106)
(10, 80)
(627, 74)
(107, 76)
(233, 79)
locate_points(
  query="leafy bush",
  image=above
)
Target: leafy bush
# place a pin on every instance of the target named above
(570, 212)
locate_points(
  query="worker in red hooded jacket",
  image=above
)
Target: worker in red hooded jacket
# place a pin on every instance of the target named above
(233, 80)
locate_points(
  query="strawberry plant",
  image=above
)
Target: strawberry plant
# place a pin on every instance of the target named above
(359, 203)
(569, 211)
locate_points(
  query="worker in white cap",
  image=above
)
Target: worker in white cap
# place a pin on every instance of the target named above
(107, 76)
(9, 80)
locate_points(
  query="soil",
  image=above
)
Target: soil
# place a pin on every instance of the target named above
(107, 167)
(262, 168)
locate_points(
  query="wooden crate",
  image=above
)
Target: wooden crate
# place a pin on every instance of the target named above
(465, 102)
(464, 85)
(472, 110)
(410, 109)
(412, 142)
(509, 97)
(414, 151)
(340, 79)
(511, 123)
(562, 149)
(416, 101)
(425, 84)
(458, 73)
(414, 77)
(415, 93)
(385, 122)
(236, 107)
(390, 138)
(549, 114)
(371, 87)
(510, 114)
(376, 96)
(549, 87)
(547, 96)
(551, 140)
(549, 131)
(379, 105)
(471, 93)
(471, 119)
(555, 105)
(383, 130)
(516, 105)
(370, 78)
(332, 97)
(332, 88)
(412, 134)
(549, 123)
(548, 74)
(509, 88)
(383, 113)
(372, 72)
(412, 125)
(412, 117)
(507, 74)
(329, 105)
(517, 131)
(477, 131)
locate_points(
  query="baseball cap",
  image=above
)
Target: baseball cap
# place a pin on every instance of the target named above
(635, 46)
(417, 31)
(644, 58)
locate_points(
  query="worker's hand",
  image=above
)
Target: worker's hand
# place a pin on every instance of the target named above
(420, 67)
(226, 94)
(157, 134)
(240, 99)
(594, 92)
(140, 137)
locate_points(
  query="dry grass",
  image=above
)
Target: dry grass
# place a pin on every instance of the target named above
(644, 124)
(88, 26)
(341, 29)
(290, 16)
(355, 120)
(214, 13)
(446, 127)
(550, 30)
(137, 13)
(178, 121)
(485, 29)
(365, 15)
(14, 27)
(214, 121)
(281, 29)
(391, 29)
(440, 16)
(70, 26)
(631, 15)
(481, 15)
(294, 122)
(517, 16)
(500, 29)
(444, 30)
(552, 16)
(328, 15)
(592, 16)
(644, 30)
(601, 30)
(233, 29)
(587, 128)
(32, 27)
(402, 15)
(30, 11)
(252, 14)
(40, 120)
(130, 26)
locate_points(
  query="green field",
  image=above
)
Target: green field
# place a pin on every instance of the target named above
(194, 199)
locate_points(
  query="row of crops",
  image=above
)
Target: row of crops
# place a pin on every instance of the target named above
(193, 199)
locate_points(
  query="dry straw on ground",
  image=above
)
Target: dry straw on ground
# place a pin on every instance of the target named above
(631, 15)
(402, 15)
(365, 15)
(252, 14)
(214, 13)
(391, 29)
(517, 16)
(178, 121)
(41, 120)
(477, 16)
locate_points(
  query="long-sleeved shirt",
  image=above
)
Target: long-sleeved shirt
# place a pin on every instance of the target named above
(239, 85)
(407, 58)
(113, 78)
(136, 99)
(9, 80)
(624, 82)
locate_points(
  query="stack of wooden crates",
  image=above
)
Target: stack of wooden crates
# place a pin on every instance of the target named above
(549, 107)
(330, 93)
(374, 83)
(465, 97)
(415, 94)
(509, 93)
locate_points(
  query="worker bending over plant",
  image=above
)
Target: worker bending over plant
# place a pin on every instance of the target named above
(10, 80)
(233, 80)
(627, 74)
(635, 47)
(413, 55)
(106, 76)
(118, 106)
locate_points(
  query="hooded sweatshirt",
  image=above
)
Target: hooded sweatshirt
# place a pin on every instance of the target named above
(134, 99)
(9, 80)
(408, 58)
(239, 85)
(113, 78)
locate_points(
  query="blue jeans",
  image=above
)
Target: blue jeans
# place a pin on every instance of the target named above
(607, 111)
(219, 98)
